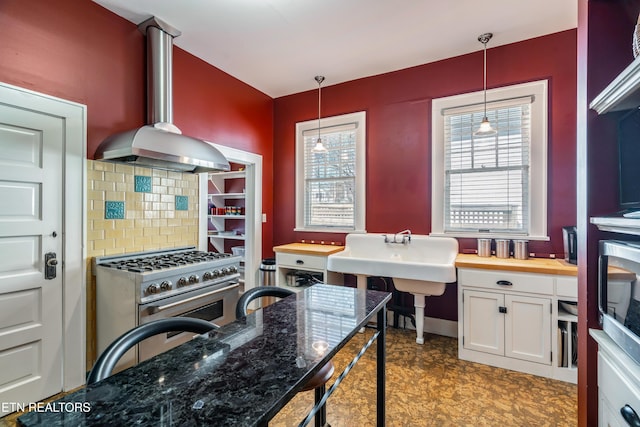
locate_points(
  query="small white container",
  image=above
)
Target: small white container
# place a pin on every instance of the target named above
(238, 251)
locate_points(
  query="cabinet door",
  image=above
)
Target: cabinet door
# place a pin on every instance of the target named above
(483, 321)
(528, 328)
(607, 416)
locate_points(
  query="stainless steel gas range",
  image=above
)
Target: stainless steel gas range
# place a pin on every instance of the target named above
(137, 288)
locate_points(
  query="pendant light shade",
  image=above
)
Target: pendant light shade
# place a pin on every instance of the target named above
(319, 147)
(485, 128)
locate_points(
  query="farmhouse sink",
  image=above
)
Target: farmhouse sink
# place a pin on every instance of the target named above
(421, 265)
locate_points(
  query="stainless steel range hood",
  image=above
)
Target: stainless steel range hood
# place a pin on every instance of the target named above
(161, 144)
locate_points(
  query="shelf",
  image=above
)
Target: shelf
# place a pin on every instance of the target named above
(623, 93)
(617, 224)
(226, 236)
(227, 175)
(566, 316)
(229, 195)
(227, 216)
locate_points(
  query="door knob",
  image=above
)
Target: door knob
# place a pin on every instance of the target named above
(50, 263)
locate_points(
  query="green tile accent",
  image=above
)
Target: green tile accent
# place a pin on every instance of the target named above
(182, 203)
(113, 210)
(142, 184)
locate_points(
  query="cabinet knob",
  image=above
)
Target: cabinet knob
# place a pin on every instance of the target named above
(630, 416)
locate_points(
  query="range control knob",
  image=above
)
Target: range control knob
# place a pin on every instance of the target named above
(153, 288)
(216, 273)
(165, 285)
(182, 282)
(207, 276)
(233, 269)
(224, 271)
(194, 278)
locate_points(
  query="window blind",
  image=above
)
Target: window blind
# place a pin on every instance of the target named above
(487, 177)
(330, 177)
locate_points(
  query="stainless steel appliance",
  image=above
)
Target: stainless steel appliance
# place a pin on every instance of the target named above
(570, 239)
(160, 144)
(619, 300)
(137, 288)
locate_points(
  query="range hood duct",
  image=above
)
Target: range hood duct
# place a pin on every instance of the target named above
(161, 144)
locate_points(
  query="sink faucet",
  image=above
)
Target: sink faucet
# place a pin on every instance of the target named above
(406, 237)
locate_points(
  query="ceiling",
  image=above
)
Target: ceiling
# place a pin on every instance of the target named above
(278, 46)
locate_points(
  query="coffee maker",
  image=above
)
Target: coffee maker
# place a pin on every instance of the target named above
(570, 239)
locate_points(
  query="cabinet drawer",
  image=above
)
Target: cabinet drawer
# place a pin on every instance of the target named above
(615, 389)
(567, 286)
(520, 282)
(301, 261)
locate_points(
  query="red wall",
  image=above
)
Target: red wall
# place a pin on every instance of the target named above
(77, 50)
(398, 107)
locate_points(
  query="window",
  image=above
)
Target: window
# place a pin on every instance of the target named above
(330, 186)
(495, 185)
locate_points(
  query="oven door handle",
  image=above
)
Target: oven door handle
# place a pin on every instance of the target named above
(158, 308)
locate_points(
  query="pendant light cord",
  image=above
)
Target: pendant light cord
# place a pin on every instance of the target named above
(485, 78)
(319, 79)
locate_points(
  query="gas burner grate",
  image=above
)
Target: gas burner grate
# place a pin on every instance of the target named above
(159, 262)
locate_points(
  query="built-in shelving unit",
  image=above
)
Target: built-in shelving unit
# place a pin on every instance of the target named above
(618, 375)
(227, 230)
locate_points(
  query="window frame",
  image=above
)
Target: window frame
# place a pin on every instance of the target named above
(538, 148)
(359, 118)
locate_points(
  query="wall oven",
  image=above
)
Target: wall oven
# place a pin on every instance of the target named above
(138, 288)
(619, 294)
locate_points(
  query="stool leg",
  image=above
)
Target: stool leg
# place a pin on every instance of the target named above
(321, 415)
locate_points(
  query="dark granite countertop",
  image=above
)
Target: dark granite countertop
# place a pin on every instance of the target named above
(239, 375)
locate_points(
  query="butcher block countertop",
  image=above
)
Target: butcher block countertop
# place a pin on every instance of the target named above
(308, 249)
(533, 265)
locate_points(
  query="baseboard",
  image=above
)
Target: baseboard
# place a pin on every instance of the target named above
(432, 325)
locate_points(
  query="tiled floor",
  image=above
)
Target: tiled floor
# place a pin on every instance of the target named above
(428, 386)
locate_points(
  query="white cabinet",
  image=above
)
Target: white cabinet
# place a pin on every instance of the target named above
(307, 261)
(511, 320)
(618, 384)
(508, 325)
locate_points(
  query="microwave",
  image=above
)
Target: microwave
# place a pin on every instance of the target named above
(619, 294)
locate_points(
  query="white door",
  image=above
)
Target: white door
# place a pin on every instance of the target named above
(31, 200)
(528, 328)
(483, 321)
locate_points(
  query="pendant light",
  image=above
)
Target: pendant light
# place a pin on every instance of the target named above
(319, 147)
(485, 128)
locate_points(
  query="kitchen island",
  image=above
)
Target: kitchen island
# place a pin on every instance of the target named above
(239, 375)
